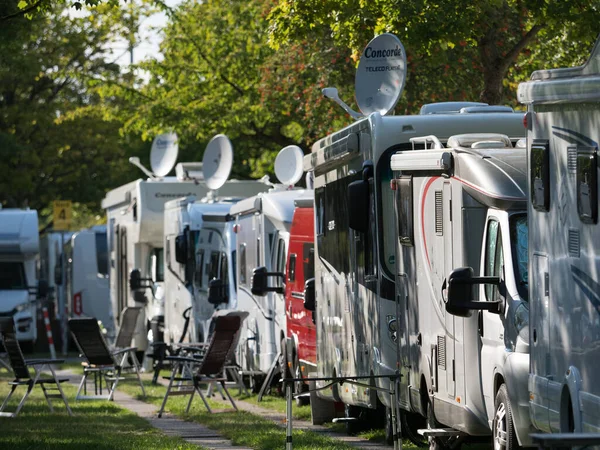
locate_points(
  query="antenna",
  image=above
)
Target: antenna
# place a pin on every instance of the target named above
(217, 161)
(288, 165)
(332, 93)
(136, 162)
(380, 75)
(163, 154)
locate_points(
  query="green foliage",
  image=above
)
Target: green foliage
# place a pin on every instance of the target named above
(455, 49)
(44, 156)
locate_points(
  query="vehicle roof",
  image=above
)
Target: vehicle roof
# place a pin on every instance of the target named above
(277, 204)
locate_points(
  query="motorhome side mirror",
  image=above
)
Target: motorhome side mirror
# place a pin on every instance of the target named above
(216, 292)
(42, 290)
(135, 280)
(358, 205)
(309, 295)
(57, 275)
(460, 293)
(181, 249)
(259, 281)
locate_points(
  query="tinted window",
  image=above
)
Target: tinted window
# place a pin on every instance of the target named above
(199, 267)
(243, 264)
(213, 266)
(494, 258)
(404, 205)
(519, 238)
(587, 185)
(102, 253)
(159, 262)
(540, 174)
(12, 276)
(309, 261)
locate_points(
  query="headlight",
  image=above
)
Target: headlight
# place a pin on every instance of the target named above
(22, 307)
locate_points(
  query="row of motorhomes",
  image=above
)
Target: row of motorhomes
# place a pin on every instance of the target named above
(449, 257)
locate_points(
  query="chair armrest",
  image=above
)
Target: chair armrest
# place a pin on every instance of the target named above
(123, 350)
(37, 362)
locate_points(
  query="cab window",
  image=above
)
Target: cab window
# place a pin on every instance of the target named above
(494, 258)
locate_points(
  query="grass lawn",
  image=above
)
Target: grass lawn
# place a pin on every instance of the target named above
(95, 425)
(243, 428)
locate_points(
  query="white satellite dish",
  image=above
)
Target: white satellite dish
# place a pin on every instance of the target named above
(217, 161)
(163, 154)
(380, 75)
(288, 165)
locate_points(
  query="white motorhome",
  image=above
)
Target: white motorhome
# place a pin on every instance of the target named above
(86, 277)
(461, 211)
(355, 261)
(262, 227)
(564, 261)
(19, 287)
(135, 221)
(200, 247)
(51, 244)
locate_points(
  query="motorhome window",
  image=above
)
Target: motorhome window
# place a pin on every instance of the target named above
(243, 278)
(540, 174)
(292, 268)
(102, 254)
(234, 269)
(224, 269)
(490, 254)
(309, 260)
(213, 266)
(587, 185)
(158, 261)
(12, 276)
(519, 238)
(258, 251)
(404, 206)
(199, 267)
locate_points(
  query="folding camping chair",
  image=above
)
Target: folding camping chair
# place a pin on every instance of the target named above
(20, 367)
(100, 360)
(129, 318)
(209, 369)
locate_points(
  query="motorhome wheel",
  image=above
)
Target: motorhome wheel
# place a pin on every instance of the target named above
(353, 426)
(503, 429)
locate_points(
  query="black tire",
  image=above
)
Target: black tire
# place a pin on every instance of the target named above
(411, 422)
(354, 426)
(504, 436)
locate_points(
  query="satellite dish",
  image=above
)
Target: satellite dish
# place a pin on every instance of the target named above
(163, 154)
(380, 75)
(288, 165)
(217, 161)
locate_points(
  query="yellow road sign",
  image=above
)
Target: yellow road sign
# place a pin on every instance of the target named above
(62, 210)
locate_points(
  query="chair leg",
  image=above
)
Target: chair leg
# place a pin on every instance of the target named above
(22, 402)
(197, 388)
(187, 410)
(164, 402)
(114, 386)
(5, 402)
(228, 395)
(137, 372)
(62, 394)
(81, 385)
(47, 398)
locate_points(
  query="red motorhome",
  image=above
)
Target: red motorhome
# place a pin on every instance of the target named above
(301, 348)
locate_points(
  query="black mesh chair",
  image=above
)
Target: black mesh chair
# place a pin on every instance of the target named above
(20, 368)
(210, 367)
(100, 361)
(129, 318)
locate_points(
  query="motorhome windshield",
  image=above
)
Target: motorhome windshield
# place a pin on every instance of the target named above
(12, 276)
(102, 254)
(519, 234)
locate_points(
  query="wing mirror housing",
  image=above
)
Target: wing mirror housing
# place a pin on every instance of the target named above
(260, 282)
(136, 282)
(217, 292)
(309, 295)
(460, 293)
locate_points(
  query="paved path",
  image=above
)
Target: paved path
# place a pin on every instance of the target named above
(192, 432)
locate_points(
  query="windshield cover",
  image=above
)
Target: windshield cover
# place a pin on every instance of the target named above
(519, 235)
(12, 276)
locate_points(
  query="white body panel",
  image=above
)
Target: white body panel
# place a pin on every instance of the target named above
(263, 223)
(86, 276)
(19, 248)
(564, 263)
(355, 273)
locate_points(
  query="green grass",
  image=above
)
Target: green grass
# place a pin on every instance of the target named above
(95, 425)
(243, 428)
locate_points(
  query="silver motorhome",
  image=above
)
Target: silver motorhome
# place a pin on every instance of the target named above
(355, 266)
(564, 261)
(464, 363)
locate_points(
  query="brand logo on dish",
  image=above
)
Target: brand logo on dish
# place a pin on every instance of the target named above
(383, 53)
